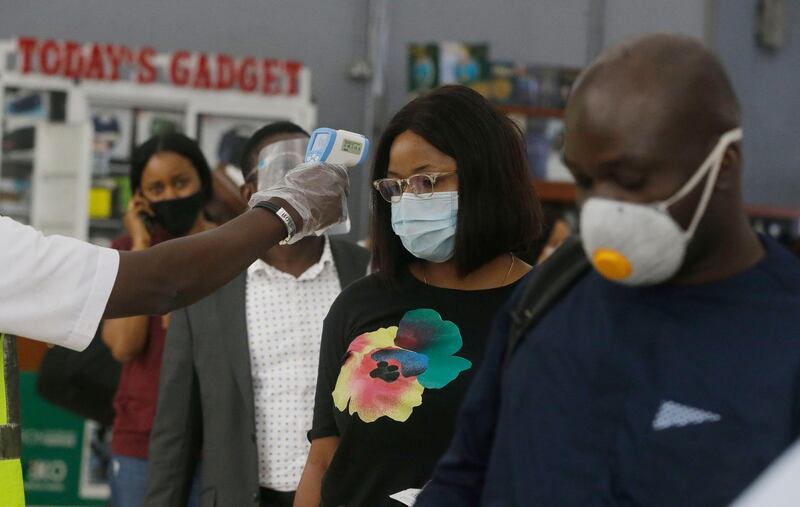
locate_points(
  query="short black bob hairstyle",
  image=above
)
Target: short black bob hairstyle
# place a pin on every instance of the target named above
(175, 143)
(498, 211)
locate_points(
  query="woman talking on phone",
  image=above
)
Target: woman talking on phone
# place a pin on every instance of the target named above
(171, 182)
(452, 207)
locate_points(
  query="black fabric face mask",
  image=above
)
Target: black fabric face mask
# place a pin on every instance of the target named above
(177, 216)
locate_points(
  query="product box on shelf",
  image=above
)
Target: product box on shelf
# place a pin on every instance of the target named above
(544, 139)
(566, 78)
(537, 85)
(423, 67)
(501, 82)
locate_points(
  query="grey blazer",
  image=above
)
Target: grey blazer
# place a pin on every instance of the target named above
(205, 398)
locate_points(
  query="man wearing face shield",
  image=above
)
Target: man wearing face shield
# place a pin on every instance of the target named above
(667, 375)
(249, 350)
(56, 289)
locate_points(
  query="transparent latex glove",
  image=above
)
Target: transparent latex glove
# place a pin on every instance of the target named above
(315, 191)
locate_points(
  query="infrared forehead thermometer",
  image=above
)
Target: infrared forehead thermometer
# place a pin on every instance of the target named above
(337, 147)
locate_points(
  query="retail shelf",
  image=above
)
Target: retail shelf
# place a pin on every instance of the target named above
(18, 156)
(58, 175)
(14, 185)
(120, 167)
(15, 209)
(530, 111)
(54, 225)
(564, 193)
(115, 170)
(103, 241)
(105, 223)
(123, 172)
(757, 211)
(17, 172)
(555, 191)
(19, 217)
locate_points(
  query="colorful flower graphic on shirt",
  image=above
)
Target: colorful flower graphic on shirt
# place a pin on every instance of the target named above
(385, 372)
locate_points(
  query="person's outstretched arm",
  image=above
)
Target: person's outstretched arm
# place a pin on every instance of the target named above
(177, 273)
(56, 289)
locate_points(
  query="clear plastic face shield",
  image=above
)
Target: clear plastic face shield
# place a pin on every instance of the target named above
(277, 159)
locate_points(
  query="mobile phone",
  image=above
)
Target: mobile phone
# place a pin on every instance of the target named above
(149, 223)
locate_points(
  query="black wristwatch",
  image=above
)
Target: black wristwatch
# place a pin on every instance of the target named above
(284, 216)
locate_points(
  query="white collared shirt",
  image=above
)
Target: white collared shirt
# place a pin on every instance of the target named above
(52, 289)
(284, 326)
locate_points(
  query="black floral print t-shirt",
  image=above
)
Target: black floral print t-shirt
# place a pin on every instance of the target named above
(395, 364)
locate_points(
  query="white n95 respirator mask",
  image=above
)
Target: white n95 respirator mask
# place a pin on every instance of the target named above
(641, 244)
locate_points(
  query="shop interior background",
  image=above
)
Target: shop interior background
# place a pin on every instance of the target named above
(332, 38)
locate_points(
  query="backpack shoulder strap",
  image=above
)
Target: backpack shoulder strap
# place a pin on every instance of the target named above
(550, 281)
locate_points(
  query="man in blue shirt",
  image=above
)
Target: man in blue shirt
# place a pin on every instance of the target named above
(668, 375)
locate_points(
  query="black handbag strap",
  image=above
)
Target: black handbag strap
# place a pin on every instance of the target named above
(550, 281)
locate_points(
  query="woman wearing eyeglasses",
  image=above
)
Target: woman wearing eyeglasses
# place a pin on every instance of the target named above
(452, 206)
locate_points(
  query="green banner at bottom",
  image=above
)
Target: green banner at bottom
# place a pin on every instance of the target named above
(57, 460)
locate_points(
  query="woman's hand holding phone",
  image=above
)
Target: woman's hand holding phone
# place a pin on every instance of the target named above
(137, 221)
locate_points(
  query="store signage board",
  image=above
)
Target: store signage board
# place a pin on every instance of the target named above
(107, 62)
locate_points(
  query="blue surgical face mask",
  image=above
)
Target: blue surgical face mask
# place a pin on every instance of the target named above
(427, 227)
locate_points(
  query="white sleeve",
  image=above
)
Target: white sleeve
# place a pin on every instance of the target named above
(777, 486)
(53, 289)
